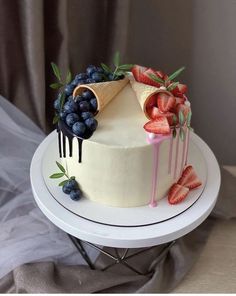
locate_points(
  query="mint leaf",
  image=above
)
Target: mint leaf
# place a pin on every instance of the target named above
(174, 133)
(116, 59)
(182, 134)
(55, 119)
(189, 118)
(175, 74)
(62, 99)
(181, 118)
(56, 176)
(56, 85)
(63, 183)
(68, 77)
(126, 67)
(156, 78)
(106, 68)
(174, 119)
(172, 86)
(60, 166)
(56, 71)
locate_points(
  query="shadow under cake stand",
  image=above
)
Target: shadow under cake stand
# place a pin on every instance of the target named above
(85, 231)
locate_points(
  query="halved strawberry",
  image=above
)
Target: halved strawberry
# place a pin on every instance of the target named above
(182, 88)
(179, 100)
(152, 101)
(137, 71)
(158, 126)
(154, 113)
(165, 102)
(189, 178)
(177, 193)
(144, 78)
(160, 74)
(184, 108)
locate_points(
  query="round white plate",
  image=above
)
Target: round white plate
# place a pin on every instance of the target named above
(114, 216)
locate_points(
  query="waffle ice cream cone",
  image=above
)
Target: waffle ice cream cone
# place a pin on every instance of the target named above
(103, 91)
(144, 92)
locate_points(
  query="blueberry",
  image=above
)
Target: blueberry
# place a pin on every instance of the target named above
(86, 115)
(66, 189)
(82, 81)
(63, 115)
(57, 104)
(72, 184)
(98, 77)
(74, 82)
(69, 89)
(78, 99)
(100, 70)
(90, 70)
(75, 194)
(79, 128)
(91, 123)
(71, 119)
(87, 94)
(70, 106)
(81, 76)
(90, 80)
(94, 104)
(110, 77)
(84, 106)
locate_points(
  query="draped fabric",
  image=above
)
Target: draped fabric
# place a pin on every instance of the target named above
(162, 34)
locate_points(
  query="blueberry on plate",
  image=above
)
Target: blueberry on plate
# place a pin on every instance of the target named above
(75, 194)
(98, 77)
(70, 106)
(84, 106)
(86, 115)
(69, 89)
(72, 118)
(90, 70)
(79, 128)
(81, 76)
(91, 124)
(66, 189)
(87, 94)
(93, 104)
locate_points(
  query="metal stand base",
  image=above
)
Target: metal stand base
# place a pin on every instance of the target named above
(118, 258)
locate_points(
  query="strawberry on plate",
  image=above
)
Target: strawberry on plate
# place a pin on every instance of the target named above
(165, 102)
(158, 126)
(189, 178)
(145, 78)
(177, 193)
(137, 71)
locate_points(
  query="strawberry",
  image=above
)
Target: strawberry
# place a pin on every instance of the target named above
(165, 102)
(179, 100)
(177, 193)
(182, 88)
(189, 178)
(144, 78)
(152, 101)
(137, 71)
(158, 126)
(184, 108)
(154, 113)
(160, 74)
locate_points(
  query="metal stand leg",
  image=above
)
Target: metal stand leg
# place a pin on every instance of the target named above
(118, 259)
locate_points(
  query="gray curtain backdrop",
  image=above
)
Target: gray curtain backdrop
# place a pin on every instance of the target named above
(199, 34)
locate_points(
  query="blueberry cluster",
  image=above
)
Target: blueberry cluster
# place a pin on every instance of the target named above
(78, 113)
(71, 187)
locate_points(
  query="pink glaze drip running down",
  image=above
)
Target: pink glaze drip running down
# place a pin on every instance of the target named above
(176, 154)
(156, 141)
(187, 146)
(183, 153)
(170, 155)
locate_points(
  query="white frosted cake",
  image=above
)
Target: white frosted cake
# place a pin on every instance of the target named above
(120, 163)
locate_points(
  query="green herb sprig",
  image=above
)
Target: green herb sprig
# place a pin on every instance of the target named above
(165, 82)
(119, 70)
(60, 84)
(61, 174)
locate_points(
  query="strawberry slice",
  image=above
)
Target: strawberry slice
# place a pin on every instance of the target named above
(179, 100)
(189, 178)
(177, 193)
(154, 113)
(158, 126)
(182, 88)
(165, 102)
(184, 108)
(137, 71)
(160, 74)
(144, 78)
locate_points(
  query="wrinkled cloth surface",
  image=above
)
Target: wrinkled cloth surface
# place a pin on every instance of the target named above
(38, 257)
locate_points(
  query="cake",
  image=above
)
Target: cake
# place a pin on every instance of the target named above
(128, 145)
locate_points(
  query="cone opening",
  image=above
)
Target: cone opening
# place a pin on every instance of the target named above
(79, 89)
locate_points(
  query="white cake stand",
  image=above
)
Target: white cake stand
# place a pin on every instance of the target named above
(126, 237)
